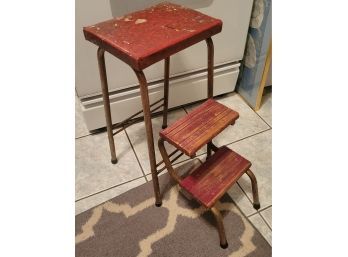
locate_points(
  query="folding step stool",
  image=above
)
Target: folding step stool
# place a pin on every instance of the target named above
(210, 181)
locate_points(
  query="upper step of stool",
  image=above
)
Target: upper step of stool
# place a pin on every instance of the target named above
(200, 126)
(214, 177)
(148, 36)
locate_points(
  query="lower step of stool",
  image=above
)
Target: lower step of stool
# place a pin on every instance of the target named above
(213, 178)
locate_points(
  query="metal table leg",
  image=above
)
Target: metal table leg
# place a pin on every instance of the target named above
(149, 133)
(166, 91)
(106, 101)
(210, 92)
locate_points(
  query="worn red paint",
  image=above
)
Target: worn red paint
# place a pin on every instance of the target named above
(200, 126)
(214, 177)
(148, 36)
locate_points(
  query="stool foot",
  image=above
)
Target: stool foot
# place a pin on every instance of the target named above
(114, 161)
(256, 202)
(220, 227)
(158, 204)
(224, 246)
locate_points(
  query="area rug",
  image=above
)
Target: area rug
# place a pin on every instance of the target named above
(130, 225)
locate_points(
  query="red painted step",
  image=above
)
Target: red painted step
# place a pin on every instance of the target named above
(200, 126)
(214, 177)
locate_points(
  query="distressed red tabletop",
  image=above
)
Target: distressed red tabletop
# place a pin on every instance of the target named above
(148, 36)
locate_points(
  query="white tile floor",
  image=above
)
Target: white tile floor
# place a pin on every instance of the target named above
(97, 180)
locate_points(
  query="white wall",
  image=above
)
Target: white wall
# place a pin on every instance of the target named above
(229, 44)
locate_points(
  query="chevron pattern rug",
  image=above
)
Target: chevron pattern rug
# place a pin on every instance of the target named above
(130, 225)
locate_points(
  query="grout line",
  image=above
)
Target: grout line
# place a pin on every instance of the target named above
(261, 210)
(258, 114)
(257, 228)
(265, 208)
(262, 119)
(265, 222)
(257, 211)
(82, 136)
(253, 110)
(136, 156)
(249, 136)
(121, 184)
(252, 214)
(245, 194)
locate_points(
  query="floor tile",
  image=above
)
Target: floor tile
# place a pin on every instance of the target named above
(248, 123)
(267, 215)
(259, 223)
(258, 150)
(80, 126)
(241, 200)
(266, 108)
(137, 136)
(90, 202)
(94, 170)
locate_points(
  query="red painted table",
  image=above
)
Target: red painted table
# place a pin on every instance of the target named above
(143, 38)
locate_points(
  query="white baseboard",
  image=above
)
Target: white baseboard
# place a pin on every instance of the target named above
(182, 90)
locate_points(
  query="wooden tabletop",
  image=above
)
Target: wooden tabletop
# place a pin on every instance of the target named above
(148, 36)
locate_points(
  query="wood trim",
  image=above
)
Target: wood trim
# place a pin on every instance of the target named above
(264, 77)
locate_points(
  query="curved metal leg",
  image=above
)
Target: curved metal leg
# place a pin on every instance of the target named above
(106, 100)
(166, 91)
(220, 226)
(252, 177)
(149, 133)
(166, 160)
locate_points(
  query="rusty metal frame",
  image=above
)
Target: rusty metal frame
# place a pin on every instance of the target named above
(106, 101)
(129, 121)
(149, 133)
(166, 91)
(256, 202)
(210, 71)
(167, 161)
(171, 160)
(147, 115)
(220, 227)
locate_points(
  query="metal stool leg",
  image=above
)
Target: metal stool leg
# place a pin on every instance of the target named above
(166, 91)
(148, 124)
(210, 46)
(220, 226)
(210, 91)
(106, 100)
(252, 177)
(166, 161)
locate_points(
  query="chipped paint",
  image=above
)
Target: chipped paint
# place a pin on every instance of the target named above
(138, 21)
(190, 30)
(128, 40)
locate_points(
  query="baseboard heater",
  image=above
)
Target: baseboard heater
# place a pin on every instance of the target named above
(183, 89)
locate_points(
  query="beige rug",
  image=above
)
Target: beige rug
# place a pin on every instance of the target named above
(131, 225)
